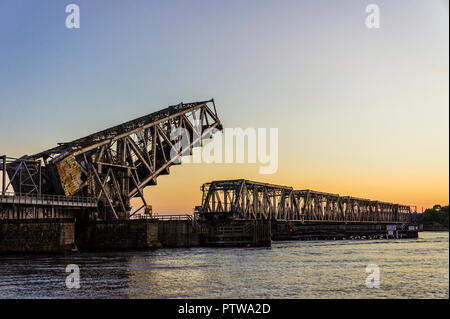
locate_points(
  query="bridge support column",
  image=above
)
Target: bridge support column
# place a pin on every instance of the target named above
(3, 175)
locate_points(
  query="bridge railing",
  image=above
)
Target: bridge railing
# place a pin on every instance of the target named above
(175, 217)
(33, 198)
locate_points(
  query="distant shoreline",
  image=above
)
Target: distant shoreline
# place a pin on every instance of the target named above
(433, 226)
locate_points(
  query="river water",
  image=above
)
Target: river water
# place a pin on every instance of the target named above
(408, 268)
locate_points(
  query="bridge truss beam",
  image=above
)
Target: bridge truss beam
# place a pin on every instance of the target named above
(243, 199)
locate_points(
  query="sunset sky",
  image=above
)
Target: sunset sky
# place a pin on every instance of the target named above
(361, 112)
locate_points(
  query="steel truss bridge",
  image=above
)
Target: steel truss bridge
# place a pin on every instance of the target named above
(114, 165)
(244, 199)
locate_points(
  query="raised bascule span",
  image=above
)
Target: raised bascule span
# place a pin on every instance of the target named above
(248, 200)
(114, 165)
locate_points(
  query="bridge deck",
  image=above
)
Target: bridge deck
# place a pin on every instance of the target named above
(47, 200)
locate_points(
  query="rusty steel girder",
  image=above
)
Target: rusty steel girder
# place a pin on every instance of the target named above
(244, 199)
(115, 165)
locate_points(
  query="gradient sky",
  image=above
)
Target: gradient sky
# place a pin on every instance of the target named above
(362, 112)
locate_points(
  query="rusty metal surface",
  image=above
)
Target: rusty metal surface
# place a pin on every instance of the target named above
(69, 172)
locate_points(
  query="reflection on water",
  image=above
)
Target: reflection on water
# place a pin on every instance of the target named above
(415, 268)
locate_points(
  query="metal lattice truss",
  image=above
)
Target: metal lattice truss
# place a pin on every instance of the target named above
(116, 164)
(243, 199)
(24, 175)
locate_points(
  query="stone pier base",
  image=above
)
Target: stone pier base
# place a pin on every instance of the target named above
(117, 235)
(55, 235)
(177, 233)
